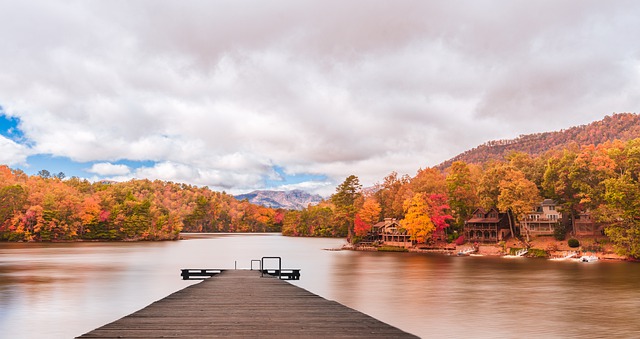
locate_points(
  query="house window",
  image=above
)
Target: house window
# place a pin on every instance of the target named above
(552, 208)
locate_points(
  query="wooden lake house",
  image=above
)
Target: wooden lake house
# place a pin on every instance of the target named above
(389, 232)
(487, 226)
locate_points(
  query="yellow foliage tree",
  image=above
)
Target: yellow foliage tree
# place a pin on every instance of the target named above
(417, 220)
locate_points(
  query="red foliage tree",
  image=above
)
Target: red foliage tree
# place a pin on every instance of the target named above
(361, 228)
(438, 210)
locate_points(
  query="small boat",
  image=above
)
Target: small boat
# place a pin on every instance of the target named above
(466, 251)
(588, 258)
(567, 256)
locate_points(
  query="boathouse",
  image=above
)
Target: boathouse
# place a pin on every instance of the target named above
(487, 226)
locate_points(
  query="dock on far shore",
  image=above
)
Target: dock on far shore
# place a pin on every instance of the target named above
(241, 303)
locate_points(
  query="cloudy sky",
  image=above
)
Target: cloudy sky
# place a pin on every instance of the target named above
(250, 94)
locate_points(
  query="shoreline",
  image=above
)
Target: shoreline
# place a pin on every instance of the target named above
(501, 250)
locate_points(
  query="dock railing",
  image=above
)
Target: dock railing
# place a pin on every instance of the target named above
(280, 273)
(263, 270)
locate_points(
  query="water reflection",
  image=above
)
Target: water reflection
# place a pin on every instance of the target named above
(69, 289)
(444, 297)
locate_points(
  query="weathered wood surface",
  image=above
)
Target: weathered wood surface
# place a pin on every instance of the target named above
(242, 304)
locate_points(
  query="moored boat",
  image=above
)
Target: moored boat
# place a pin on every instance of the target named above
(588, 258)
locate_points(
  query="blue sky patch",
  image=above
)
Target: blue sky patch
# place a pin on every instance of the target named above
(291, 179)
(9, 127)
(55, 165)
(71, 168)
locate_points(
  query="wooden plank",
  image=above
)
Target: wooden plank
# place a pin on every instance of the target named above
(239, 303)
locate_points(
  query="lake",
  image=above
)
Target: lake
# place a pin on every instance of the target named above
(63, 290)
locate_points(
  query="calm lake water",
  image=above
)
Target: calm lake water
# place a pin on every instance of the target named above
(65, 290)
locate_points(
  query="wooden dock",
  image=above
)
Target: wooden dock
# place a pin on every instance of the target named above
(239, 303)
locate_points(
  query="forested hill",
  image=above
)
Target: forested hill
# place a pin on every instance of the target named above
(622, 126)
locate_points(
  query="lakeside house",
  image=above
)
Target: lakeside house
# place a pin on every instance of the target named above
(543, 220)
(487, 226)
(389, 232)
(585, 225)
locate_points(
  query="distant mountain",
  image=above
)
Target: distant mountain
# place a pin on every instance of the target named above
(623, 126)
(293, 200)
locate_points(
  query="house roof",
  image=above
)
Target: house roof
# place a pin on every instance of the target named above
(485, 220)
(548, 202)
(486, 214)
(480, 209)
(380, 224)
(386, 222)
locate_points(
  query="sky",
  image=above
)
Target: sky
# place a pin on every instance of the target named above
(242, 95)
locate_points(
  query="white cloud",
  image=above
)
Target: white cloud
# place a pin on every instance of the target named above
(12, 153)
(324, 188)
(217, 95)
(108, 169)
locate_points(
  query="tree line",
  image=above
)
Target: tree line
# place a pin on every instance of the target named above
(46, 207)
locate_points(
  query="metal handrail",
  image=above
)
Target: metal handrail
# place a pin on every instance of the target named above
(259, 262)
(279, 266)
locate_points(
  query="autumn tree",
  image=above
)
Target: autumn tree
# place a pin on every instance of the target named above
(518, 196)
(429, 181)
(370, 211)
(12, 202)
(360, 228)
(575, 178)
(621, 210)
(439, 211)
(417, 220)
(489, 185)
(368, 215)
(461, 188)
(391, 194)
(591, 168)
(345, 198)
(315, 220)
(532, 167)
(622, 214)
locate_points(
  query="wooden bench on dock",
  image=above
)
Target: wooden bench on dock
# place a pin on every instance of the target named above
(198, 273)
